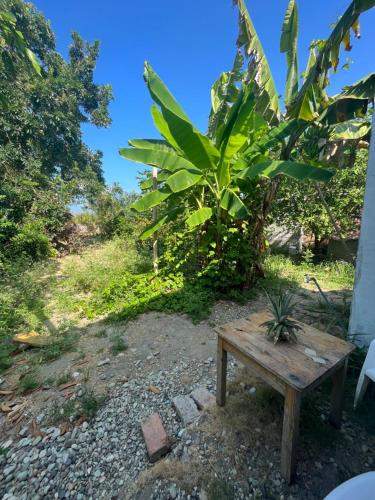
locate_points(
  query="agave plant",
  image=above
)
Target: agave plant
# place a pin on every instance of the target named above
(281, 326)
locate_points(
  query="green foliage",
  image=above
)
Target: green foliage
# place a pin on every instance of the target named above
(31, 241)
(28, 383)
(282, 271)
(300, 205)
(44, 164)
(118, 344)
(281, 326)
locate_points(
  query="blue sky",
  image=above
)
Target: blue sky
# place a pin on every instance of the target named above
(189, 43)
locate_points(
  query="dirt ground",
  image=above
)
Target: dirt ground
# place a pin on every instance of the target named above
(241, 441)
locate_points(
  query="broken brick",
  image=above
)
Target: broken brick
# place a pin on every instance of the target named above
(203, 398)
(186, 409)
(156, 439)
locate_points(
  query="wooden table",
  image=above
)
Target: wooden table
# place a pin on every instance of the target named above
(292, 369)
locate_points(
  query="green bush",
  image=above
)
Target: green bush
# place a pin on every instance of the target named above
(31, 241)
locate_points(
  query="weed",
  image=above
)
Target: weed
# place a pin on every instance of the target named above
(28, 383)
(219, 489)
(118, 344)
(62, 413)
(90, 404)
(64, 378)
(3, 451)
(101, 334)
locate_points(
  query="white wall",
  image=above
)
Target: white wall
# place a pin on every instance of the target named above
(362, 318)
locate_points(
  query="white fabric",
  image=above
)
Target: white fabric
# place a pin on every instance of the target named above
(361, 487)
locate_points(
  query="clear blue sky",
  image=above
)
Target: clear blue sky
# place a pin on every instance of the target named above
(189, 43)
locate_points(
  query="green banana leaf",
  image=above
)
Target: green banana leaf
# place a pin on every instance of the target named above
(199, 217)
(150, 200)
(288, 45)
(196, 147)
(298, 171)
(223, 94)
(163, 127)
(150, 144)
(351, 129)
(155, 226)
(329, 53)
(164, 159)
(232, 203)
(267, 96)
(183, 179)
(363, 89)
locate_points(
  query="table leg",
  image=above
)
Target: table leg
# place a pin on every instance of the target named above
(289, 440)
(221, 383)
(338, 380)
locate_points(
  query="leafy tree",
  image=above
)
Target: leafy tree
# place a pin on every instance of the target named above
(218, 181)
(44, 163)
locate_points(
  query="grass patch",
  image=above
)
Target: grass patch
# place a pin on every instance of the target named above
(112, 278)
(118, 344)
(28, 383)
(285, 271)
(86, 406)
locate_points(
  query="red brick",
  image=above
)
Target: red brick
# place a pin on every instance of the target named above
(203, 398)
(156, 439)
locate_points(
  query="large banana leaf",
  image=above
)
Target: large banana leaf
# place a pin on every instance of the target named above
(156, 225)
(233, 204)
(150, 200)
(199, 217)
(349, 130)
(196, 147)
(150, 144)
(298, 171)
(288, 45)
(163, 127)
(223, 94)
(241, 121)
(164, 159)
(183, 179)
(363, 89)
(267, 101)
(329, 53)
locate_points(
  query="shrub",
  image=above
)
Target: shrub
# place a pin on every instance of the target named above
(31, 241)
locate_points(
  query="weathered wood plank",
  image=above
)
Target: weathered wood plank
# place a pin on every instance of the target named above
(289, 439)
(338, 382)
(293, 363)
(221, 374)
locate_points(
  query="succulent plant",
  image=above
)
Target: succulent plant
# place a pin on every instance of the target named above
(281, 327)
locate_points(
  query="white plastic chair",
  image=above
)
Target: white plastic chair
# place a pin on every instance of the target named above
(360, 487)
(367, 374)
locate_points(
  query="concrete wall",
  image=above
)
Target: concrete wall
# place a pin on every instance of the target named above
(362, 318)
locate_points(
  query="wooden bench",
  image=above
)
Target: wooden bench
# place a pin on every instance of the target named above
(292, 369)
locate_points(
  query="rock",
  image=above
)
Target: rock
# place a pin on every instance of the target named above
(186, 409)
(23, 432)
(173, 492)
(156, 439)
(104, 362)
(203, 398)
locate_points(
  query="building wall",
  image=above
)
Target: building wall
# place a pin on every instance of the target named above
(362, 318)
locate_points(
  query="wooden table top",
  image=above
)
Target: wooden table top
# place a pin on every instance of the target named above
(299, 364)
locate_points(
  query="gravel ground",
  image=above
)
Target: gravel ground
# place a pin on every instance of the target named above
(232, 452)
(100, 458)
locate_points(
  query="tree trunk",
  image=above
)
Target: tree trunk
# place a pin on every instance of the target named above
(154, 217)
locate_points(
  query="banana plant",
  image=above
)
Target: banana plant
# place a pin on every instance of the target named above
(200, 177)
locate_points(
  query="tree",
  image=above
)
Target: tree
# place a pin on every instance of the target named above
(221, 175)
(41, 146)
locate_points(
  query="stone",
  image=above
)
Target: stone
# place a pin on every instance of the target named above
(156, 439)
(104, 362)
(203, 398)
(186, 409)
